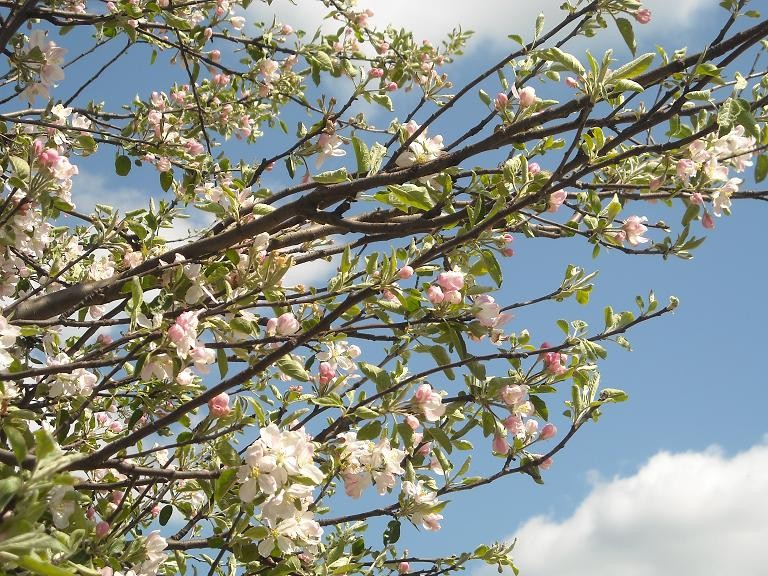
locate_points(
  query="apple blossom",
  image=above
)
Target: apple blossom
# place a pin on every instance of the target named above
(634, 228)
(643, 15)
(219, 405)
(527, 96)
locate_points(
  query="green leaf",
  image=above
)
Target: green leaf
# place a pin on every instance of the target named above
(627, 86)
(626, 31)
(440, 436)
(568, 61)
(362, 155)
(20, 167)
(761, 168)
(613, 395)
(332, 177)
(17, 441)
(442, 358)
(41, 567)
(29, 542)
(635, 67)
(293, 368)
(369, 431)
(221, 360)
(122, 165)
(392, 532)
(224, 483)
(540, 405)
(165, 514)
(166, 180)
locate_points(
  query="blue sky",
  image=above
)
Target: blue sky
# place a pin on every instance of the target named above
(685, 459)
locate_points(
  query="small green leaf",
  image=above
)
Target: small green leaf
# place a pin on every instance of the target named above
(165, 514)
(332, 177)
(122, 165)
(392, 532)
(626, 31)
(293, 368)
(635, 67)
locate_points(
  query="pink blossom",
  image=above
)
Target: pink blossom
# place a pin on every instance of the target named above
(219, 405)
(424, 449)
(571, 82)
(546, 464)
(643, 15)
(215, 55)
(685, 169)
(707, 221)
(392, 86)
(104, 339)
(102, 529)
(435, 294)
(202, 356)
(382, 48)
(220, 79)
(554, 363)
(513, 394)
(556, 200)
(185, 377)
(507, 252)
(430, 402)
(548, 431)
(327, 372)
(531, 427)
(155, 511)
(238, 22)
(412, 422)
(286, 30)
(514, 425)
(194, 147)
(534, 168)
(404, 567)
(697, 198)
(500, 445)
(655, 184)
(527, 96)
(405, 272)
(634, 229)
(452, 297)
(452, 280)
(501, 101)
(376, 73)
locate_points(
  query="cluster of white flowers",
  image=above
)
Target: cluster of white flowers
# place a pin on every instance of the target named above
(365, 462)
(77, 382)
(49, 69)
(421, 505)
(280, 467)
(154, 546)
(713, 157)
(421, 150)
(8, 335)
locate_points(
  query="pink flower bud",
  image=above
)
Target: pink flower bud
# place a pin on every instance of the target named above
(697, 198)
(548, 431)
(546, 464)
(404, 567)
(571, 82)
(527, 96)
(507, 252)
(405, 272)
(327, 372)
(155, 511)
(425, 449)
(435, 294)
(271, 326)
(286, 30)
(556, 200)
(102, 529)
(116, 497)
(500, 445)
(501, 101)
(452, 297)
(176, 333)
(208, 33)
(707, 221)
(382, 48)
(214, 55)
(90, 513)
(412, 422)
(392, 86)
(376, 73)
(531, 427)
(643, 15)
(452, 280)
(534, 168)
(219, 405)
(287, 325)
(104, 339)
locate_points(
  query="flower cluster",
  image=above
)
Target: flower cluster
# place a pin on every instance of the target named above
(421, 505)
(365, 462)
(280, 466)
(46, 58)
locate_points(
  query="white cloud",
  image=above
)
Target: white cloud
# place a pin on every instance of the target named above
(701, 513)
(309, 273)
(491, 20)
(90, 189)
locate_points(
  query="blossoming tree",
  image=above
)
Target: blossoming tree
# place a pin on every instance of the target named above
(121, 452)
